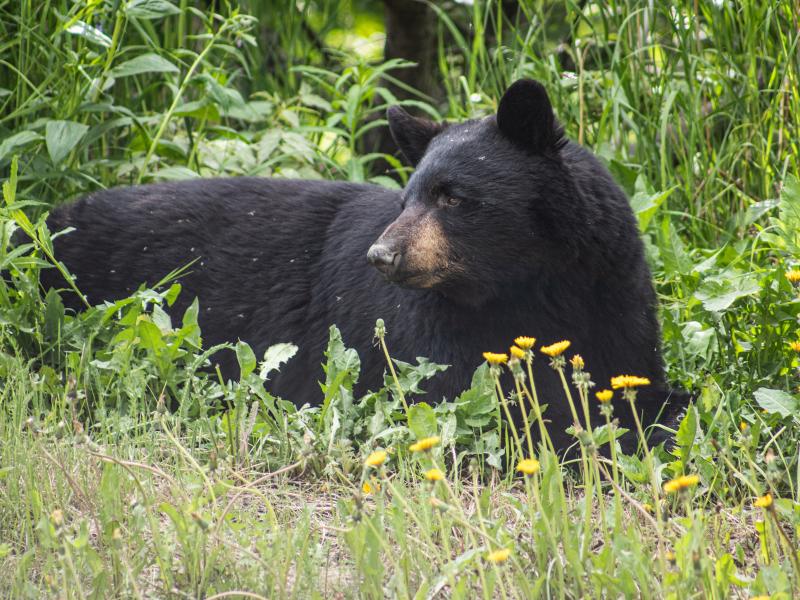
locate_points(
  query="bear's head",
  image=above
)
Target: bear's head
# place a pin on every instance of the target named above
(486, 206)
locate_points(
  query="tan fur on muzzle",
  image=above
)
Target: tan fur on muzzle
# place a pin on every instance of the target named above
(424, 246)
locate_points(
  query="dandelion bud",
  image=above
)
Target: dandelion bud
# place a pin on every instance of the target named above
(204, 525)
(437, 504)
(57, 517)
(161, 405)
(380, 329)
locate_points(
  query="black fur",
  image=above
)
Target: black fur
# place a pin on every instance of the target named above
(538, 240)
(412, 134)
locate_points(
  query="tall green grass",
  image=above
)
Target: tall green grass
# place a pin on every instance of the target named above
(128, 470)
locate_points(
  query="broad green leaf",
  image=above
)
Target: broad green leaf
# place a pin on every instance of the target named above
(274, 357)
(645, 202)
(725, 571)
(172, 293)
(480, 398)
(246, 358)
(718, 295)
(192, 311)
(633, 468)
(53, 316)
(789, 213)
(422, 420)
(224, 97)
(146, 63)
(602, 434)
(697, 340)
(673, 251)
(686, 434)
(410, 376)
(151, 9)
(777, 401)
(150, 335)
(161, 319)
(89, 33)
(61, 137)
(343, 365)
(17, 140)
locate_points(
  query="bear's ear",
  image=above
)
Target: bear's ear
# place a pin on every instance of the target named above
(526, 117)
(411, 134)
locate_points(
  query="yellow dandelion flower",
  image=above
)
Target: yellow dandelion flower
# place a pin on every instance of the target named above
(764, 501)
(793, 275)
(516, 352)
(556, 349)
(494, 358)
(670, 556)
(376, 459)
(524, 342)
(498, 556)
(795, 346)
(743, 426)
(370, 488)
(434, 475)
(762, 597)
(681, 483)
(425, 444)
(628, 381)
(577, 362)
(528, 466)
(604, 396)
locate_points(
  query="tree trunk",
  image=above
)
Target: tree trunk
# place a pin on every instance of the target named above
(411, 35)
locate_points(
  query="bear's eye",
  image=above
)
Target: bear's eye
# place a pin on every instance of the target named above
(449, 201)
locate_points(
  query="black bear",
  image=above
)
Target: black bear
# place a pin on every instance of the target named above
(505, 228)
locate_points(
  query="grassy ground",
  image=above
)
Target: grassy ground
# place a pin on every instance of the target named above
(128, 470)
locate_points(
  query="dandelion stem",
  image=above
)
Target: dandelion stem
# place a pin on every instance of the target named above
(630, 395)
(532, 487)
(382, 339)
(587, 474)
(533, 397)
(524, 412)
(612, 442)
(501, 397)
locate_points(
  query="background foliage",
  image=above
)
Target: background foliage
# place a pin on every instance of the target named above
(695, 108)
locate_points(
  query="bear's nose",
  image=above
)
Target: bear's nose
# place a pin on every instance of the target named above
(383, 258)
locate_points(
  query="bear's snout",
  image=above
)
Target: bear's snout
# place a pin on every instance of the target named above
(384, 258)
